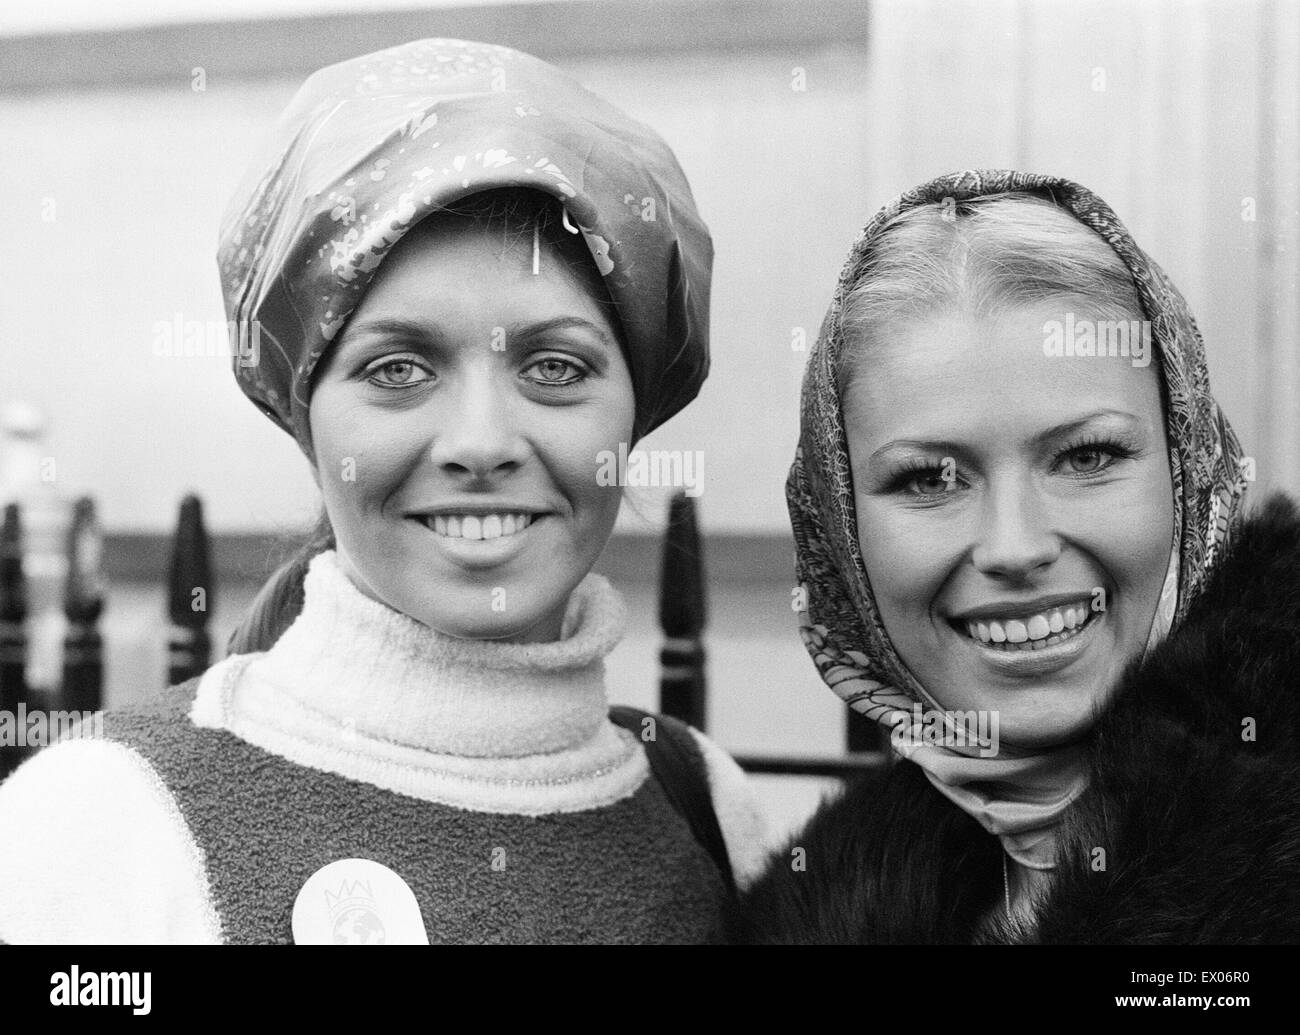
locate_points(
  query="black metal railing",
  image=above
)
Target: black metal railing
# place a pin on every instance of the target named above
(683, 686)
(81, 683)
(683, 612)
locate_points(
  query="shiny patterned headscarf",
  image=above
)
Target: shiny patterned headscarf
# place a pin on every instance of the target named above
(369, 147)
(1019, 799)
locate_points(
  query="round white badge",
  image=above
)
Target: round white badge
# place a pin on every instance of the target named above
(357, 902)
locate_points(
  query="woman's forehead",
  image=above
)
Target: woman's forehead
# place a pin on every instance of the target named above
(458, 266)
(954, 373)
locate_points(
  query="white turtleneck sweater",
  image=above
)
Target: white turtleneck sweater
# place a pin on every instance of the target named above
(95, 848)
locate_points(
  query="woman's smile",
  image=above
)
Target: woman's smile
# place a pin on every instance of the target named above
(1034, 640)
(478, 528)
(479, 539)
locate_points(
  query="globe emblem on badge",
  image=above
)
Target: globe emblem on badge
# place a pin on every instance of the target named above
(354, 915)
(357, 902)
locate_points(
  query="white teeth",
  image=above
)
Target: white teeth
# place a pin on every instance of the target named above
(1033, 629)
(475, 526)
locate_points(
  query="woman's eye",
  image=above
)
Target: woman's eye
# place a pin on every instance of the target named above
(555, 371)
(397, 373)
(929, 483)
(1088, 459)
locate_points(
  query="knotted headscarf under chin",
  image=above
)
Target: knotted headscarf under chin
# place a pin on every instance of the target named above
(1019, 797)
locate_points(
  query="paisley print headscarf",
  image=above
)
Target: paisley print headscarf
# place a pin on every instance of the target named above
(1020, 799)
(369, 147)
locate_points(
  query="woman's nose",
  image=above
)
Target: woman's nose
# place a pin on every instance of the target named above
(1015, 536)
(477, 432)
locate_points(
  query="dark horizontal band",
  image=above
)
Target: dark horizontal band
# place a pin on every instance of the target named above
(844, 768)
(729, 558)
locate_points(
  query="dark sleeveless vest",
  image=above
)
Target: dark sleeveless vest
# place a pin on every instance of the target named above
(631, 872)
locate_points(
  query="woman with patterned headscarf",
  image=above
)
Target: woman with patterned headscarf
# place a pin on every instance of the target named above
(1019, 524)
(459, 280)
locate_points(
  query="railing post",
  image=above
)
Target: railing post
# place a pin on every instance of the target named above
(13, 633)
(682, 683)
(861, 734)
(83, 603)
(189, 596)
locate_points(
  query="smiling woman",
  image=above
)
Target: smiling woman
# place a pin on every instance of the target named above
(473, 434)
(456, 314)
(1036, 502)
(1034, 566)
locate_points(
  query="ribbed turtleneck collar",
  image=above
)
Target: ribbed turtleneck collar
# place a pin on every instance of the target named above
(385, 675)
(356, 688)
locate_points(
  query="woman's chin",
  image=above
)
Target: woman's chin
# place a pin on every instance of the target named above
(1025, 734)
(1032, 715)
(1041, 698)
(529, 627)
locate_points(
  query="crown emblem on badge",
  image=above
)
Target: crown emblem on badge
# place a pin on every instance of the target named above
(352, 894)
(354, 914)
(357, 902)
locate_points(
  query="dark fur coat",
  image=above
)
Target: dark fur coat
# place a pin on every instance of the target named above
(1200, 823)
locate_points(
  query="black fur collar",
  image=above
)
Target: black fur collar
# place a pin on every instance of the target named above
(1189, 832)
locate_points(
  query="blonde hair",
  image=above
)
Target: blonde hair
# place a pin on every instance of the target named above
(981, 257)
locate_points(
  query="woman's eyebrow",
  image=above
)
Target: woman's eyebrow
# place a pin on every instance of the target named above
(950, 448)
(929, 445)
(401, 327)
(564, 323)
(394, 326)
(1070, 426)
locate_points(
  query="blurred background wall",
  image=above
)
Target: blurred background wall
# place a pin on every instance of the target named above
(124, 134)
(1182, 115)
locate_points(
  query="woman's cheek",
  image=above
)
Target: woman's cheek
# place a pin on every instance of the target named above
(358, 474)
(1131, 531)
(904, 557)
(893, 531)
(1148, 535)
(596, 505)
(577, 451)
